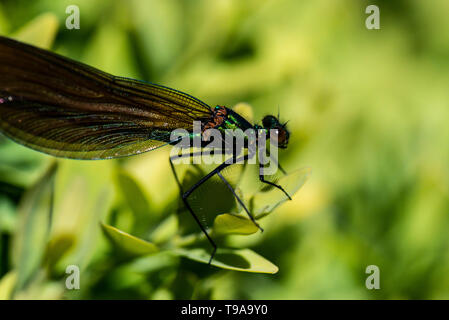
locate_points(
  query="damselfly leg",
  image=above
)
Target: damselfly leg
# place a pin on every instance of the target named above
(185, 195)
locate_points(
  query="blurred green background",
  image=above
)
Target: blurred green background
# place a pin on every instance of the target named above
(368, 112)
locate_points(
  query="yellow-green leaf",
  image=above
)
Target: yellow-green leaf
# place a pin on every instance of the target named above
(233, 224)
(40, 32)
(245, 110)
(137, 201)
(57, 247)
(7, 283)
(232, 259)
(84, 196)
(32, 232)
(129, 243)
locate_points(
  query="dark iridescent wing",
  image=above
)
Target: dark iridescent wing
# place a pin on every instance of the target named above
(68, 109)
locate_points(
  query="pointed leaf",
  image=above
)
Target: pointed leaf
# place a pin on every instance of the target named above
(232, 259)
(128, 243)
(40, 32)
(265, 201)
(57, 247)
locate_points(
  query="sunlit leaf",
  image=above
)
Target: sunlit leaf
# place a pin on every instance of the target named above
(233, 224)
(162, 294)
(233, 259)
(42, 289)
(84, 195)
(245, 110)
(40, 32)
(267, 199)
(128, 243)
(7, 283)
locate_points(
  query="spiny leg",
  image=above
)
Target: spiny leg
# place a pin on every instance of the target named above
(210, 174)
(214, 246)
(192, 154)
(282, 169)
(262, 179)
(186, 194)
(278, 165)
(189, 155)
(239, 200)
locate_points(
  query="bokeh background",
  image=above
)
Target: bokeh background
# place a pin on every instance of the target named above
(367, 110)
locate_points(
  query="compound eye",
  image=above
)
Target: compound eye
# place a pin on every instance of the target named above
(282, 136)
(269, 121)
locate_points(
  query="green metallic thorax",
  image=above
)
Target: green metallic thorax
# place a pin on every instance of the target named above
(236, 121)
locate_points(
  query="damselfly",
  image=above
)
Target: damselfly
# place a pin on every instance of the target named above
(68, 109)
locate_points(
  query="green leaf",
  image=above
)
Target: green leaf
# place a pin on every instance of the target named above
(233, 224)
(137, 201)
(151, 263)
(165, 230)
(269, 198)
(4, 22)
(232, 259)
(84, 196)
(31, 235)
(40, 32)
(19, 165)
(115, 59)
(8, 217)
(129, 244)
(57, 247)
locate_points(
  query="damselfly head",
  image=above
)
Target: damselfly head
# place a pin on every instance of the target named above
(271, 122)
